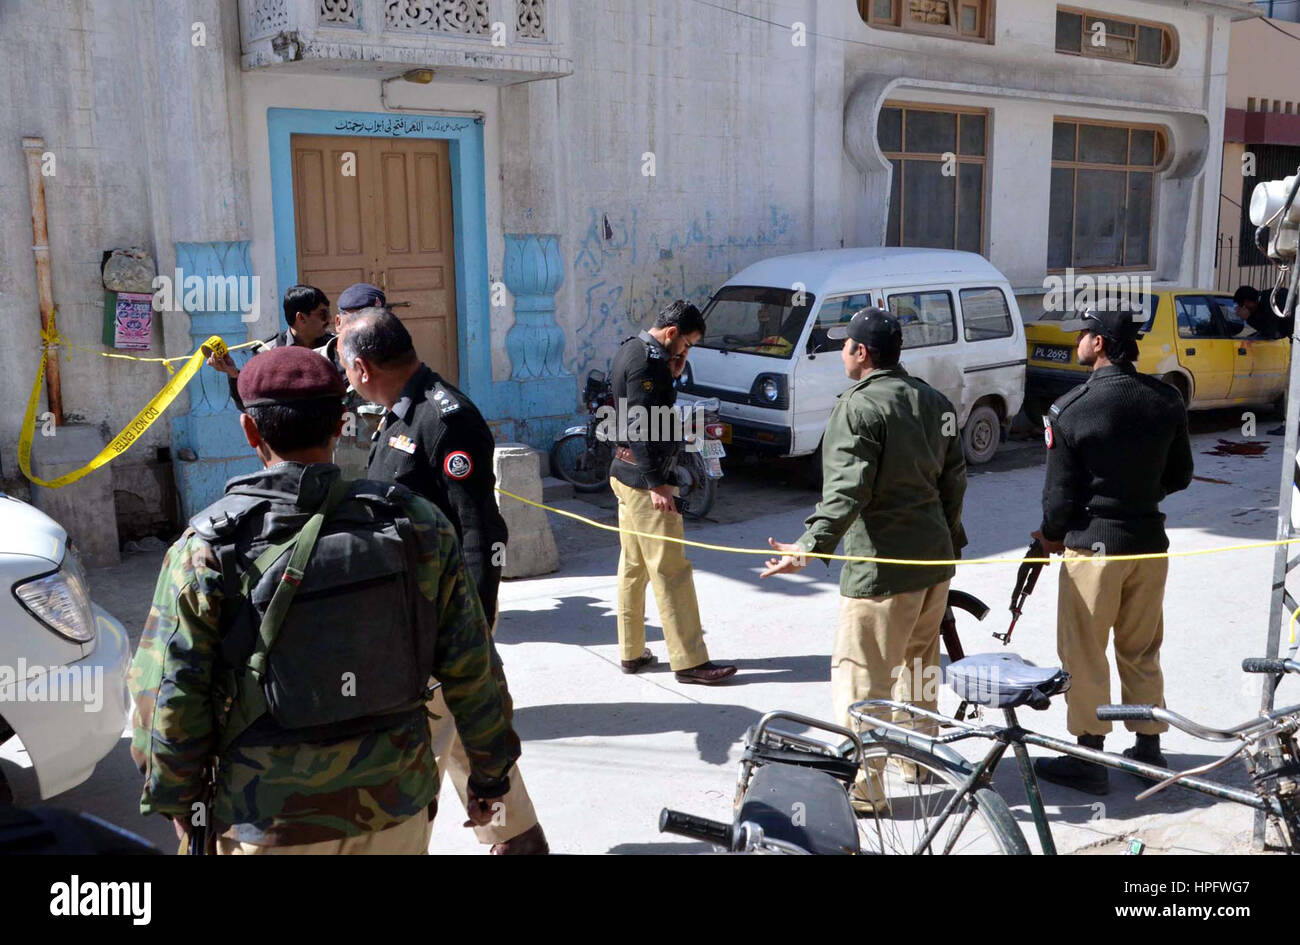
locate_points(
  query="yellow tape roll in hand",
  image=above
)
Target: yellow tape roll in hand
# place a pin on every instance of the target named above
(130, 433)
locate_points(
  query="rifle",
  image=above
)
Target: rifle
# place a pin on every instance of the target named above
(197, 843)
(1026, 578)
(948, 632)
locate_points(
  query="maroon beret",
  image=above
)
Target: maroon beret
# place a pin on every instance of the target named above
(287, 374)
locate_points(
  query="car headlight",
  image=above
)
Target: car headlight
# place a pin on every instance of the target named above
(61, 601)
(770, 389)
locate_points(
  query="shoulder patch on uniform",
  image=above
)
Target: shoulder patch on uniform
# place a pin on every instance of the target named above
(647, 385)
(458, 465)
(444, 401)
(1066, 399)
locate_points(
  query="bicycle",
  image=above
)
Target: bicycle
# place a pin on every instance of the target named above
(947, 801)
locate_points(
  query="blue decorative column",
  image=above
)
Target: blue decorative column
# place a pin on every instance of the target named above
(534, 271)
(207, 445)
(541, 395)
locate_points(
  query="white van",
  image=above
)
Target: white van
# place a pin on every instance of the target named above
(766, 356)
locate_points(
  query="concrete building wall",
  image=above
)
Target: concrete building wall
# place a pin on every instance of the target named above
(89, 77)
(728, 108)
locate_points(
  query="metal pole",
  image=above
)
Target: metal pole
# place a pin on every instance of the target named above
(1278, 610)
(34, 148)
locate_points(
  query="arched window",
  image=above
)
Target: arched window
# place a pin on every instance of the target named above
(1119, 38)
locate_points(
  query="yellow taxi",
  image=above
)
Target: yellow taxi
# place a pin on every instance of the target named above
(1193, 339)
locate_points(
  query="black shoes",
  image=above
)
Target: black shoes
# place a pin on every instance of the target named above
(1075, 773)
(1147, 750)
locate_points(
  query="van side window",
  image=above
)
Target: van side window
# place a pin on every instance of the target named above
(834, 311)
(927, 318)
(984, 314)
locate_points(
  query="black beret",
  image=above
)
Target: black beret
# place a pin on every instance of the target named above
(361, 295)
(287, 374)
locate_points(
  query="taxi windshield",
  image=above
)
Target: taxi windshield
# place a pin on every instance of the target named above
(755, 320)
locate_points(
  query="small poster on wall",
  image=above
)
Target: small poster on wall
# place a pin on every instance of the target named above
(132, 321)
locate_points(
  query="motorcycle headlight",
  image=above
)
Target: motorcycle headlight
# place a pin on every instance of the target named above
(61, 601)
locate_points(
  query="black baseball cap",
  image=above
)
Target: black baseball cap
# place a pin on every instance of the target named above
(361, 295)
(1117, 325)
(873, 327)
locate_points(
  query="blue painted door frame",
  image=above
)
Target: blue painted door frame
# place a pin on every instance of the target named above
(469, 217)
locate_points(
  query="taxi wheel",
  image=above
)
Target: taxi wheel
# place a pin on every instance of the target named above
(981, 435)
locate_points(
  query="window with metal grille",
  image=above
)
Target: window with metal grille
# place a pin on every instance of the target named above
(937, 195)
(1103, 195)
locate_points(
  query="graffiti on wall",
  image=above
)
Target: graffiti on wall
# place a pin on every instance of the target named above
(623, 277)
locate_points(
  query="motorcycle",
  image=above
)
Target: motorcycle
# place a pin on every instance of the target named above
(699, 466)
(579, 456)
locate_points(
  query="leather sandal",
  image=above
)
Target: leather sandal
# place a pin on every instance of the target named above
(641, 662)
(706, 674)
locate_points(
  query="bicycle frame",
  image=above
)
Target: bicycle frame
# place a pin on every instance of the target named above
(1013, 736)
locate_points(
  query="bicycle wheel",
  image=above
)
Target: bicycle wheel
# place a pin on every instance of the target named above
(919, 786)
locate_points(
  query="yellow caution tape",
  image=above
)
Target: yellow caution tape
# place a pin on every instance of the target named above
(131, 432)
(1149, 556)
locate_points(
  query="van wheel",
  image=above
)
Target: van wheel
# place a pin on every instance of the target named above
(1178, 383)
(982, 434)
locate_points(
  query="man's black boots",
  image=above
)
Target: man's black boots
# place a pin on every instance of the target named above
(1075, 773)
(1147, 750)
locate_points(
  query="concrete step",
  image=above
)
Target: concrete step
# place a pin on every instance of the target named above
(555, 489)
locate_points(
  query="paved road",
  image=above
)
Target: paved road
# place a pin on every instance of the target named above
(604, 752)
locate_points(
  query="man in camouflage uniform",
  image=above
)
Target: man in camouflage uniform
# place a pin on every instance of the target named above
(280, 789)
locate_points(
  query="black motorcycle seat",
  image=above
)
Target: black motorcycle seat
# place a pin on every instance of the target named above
(1005, 680)
(802, 806)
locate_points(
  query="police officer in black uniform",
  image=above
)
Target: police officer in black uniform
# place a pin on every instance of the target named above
(643, 475)
(1116, 446)
(434, 441)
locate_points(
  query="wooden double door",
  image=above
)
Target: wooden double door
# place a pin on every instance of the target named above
(379, 210)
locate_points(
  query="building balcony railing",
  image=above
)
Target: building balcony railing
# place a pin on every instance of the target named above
(495, 41)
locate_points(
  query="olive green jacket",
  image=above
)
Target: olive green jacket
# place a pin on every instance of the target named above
(893, 477)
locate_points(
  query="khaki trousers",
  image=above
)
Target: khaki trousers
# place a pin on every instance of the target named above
(888, 648)
(410, 837)
(664, 565)
(512, 812)
(1093, 598)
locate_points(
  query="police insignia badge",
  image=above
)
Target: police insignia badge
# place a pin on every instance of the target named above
(458, 465)
(402, 442)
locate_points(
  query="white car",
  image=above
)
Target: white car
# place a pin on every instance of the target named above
(766, 356)
(63, 660)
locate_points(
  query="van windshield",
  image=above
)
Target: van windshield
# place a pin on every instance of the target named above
(755, 320)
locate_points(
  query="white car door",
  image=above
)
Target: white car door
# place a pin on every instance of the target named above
(819, 376)
(930, 348)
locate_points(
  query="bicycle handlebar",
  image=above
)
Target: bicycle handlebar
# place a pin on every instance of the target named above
(696, 828)
(1125, 713)
(1269, 666)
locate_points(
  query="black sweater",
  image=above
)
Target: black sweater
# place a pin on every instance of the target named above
(1117, 446)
